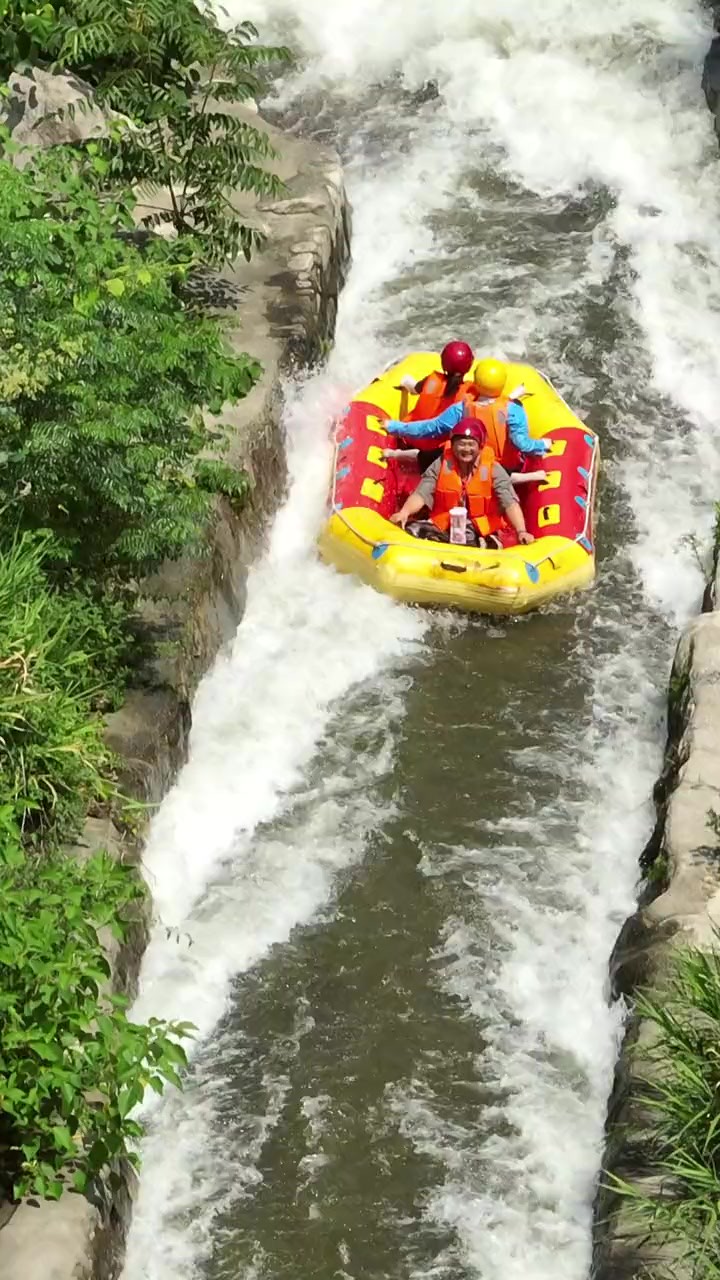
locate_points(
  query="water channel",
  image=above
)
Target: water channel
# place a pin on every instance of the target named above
(405, 842)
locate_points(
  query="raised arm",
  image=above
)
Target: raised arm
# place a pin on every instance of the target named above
(440, 426)
(519, 431)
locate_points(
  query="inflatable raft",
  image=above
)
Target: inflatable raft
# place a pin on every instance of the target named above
(368, 488)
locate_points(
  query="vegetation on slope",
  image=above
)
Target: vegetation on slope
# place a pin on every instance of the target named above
(106, 468)
(682, 1093)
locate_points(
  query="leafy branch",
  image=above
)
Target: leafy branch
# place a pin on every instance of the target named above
(682, 1092)
(184, 83)
(104, 373)
(72, 1065)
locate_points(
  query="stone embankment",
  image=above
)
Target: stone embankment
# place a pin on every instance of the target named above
(680, 905)
(280, 307)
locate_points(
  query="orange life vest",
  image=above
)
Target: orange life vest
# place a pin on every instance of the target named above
(431, 402)
(432, 399)
(475, 493)
(494, 419)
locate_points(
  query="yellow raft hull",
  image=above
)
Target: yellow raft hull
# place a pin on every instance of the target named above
(359, 540)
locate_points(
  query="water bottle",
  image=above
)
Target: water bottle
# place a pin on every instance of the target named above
(458, 524)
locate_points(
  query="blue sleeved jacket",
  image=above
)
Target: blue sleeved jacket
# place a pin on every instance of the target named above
(517, 424)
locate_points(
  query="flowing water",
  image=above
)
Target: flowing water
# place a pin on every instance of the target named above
(390, 876)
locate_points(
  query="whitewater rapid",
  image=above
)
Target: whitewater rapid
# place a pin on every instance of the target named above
(560, 198)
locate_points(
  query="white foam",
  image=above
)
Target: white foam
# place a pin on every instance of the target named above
(553, 895)
(227, 885)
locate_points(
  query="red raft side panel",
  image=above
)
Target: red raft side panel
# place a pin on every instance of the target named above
(363, 478)
(562, 506)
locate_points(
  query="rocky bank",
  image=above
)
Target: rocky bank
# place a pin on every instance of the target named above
(680, 904)
(281, 307)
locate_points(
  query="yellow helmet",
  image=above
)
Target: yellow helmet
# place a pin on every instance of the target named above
(489, 377)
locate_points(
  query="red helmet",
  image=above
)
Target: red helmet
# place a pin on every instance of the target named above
(469, 428)
(456, 357)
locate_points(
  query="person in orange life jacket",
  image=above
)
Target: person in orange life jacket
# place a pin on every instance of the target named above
(469, 475)
(438, 390)
(504, 417)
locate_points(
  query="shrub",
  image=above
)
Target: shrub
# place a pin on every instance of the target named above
(99, 620)
(170, 67)
(104, 371)
(72, 1066)
(27, 28)
(683, 1092)
(52, 759)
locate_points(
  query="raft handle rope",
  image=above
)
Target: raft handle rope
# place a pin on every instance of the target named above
(593, 465)
(592, 480)
(592, 477)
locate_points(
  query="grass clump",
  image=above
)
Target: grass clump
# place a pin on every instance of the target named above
(56, 650)
(682, 1091)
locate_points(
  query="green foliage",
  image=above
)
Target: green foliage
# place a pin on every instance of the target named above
(216, 476)
(72, 1066)
(52, 759)
(27, 27)
(657, 871)
(99, 618)
(683, 1093)
(104, 371)
(172, 69)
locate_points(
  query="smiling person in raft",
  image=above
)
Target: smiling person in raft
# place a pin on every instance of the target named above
(467, 476)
